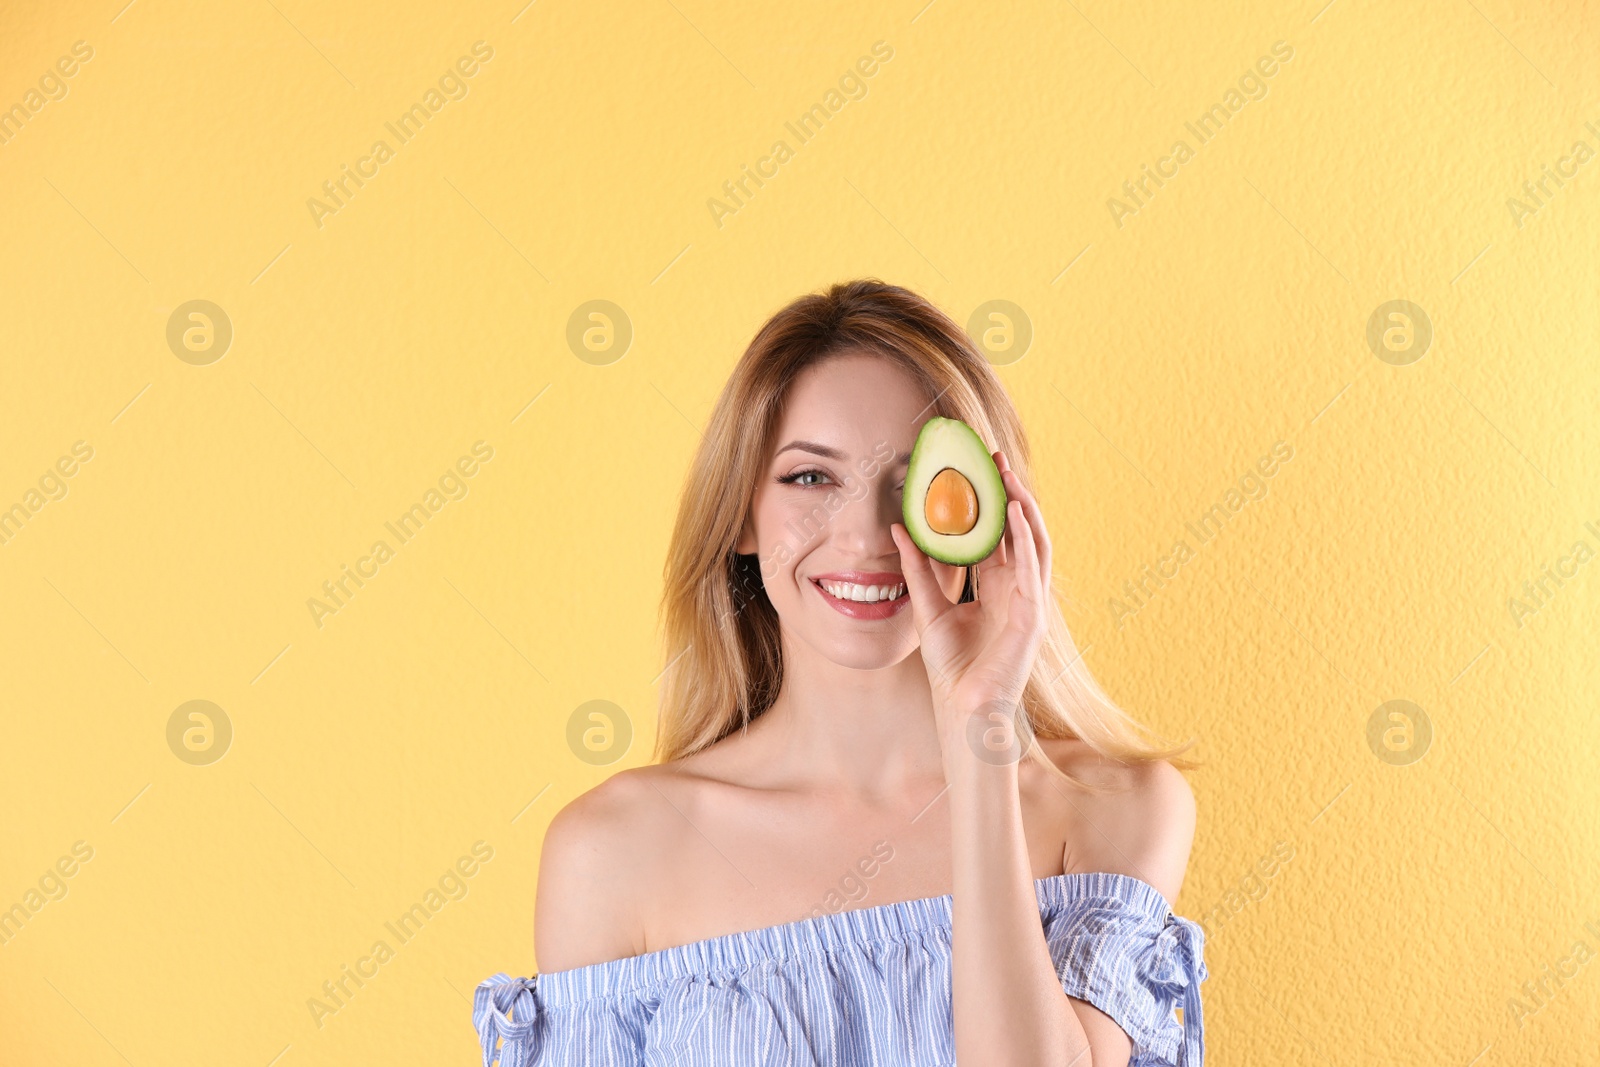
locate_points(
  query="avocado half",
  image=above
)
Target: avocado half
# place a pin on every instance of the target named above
(954, 503)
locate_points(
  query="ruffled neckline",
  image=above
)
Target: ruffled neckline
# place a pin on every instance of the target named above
(834, 932)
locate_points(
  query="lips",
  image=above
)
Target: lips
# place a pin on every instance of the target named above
(862, 577)
(863, 609)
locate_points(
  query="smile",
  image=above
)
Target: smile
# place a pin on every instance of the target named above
(863, 593)
(863, 601)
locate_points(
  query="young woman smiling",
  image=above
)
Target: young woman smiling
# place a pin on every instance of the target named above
(829, 686)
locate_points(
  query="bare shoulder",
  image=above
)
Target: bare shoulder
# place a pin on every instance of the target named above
(596, 856)
(1142, 826)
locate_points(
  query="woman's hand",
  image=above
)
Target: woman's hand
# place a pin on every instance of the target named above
(979, 655)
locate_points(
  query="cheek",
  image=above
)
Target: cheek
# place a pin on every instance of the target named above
(792, 526)
(775, 543)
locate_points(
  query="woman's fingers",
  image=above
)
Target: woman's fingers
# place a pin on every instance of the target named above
(1017, 491)
(1026, 613)
(928, 601)
(1024, 546)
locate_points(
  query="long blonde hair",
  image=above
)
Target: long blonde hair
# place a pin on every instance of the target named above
(724, 663)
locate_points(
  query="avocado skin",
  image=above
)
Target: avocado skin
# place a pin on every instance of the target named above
(942, 443)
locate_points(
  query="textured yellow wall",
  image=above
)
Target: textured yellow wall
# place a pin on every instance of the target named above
(1381, 883)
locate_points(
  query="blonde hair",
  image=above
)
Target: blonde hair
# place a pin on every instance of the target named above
(720, 632)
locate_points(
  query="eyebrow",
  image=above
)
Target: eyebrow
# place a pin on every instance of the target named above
(828, 452)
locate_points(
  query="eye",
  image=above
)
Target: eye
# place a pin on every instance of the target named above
(800, 478)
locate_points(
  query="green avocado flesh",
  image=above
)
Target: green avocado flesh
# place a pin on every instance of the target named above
(954, 503)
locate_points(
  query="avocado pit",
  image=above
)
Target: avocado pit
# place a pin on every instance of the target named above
(951, 505)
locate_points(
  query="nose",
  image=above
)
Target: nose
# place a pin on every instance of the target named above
(861, 526)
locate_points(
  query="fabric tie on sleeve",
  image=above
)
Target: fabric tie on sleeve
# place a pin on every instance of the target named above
(1178, 969)
(494, 998)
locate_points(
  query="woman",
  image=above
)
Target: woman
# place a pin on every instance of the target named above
(893, 820)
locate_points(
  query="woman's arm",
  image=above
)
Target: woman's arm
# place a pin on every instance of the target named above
(1009, 1004)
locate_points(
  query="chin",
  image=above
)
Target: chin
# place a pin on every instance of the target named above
(860, 653)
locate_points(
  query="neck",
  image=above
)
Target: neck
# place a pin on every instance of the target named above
(866, 733)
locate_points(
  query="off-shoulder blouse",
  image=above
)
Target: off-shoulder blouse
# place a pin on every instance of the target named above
(870, 986)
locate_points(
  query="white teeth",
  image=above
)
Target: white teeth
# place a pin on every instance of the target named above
(866, 594)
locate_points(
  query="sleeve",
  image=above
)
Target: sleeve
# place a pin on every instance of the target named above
(514, 1025)
(493, 1005)
(1136, 967)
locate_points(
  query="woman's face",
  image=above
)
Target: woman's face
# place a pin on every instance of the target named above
(820, 518)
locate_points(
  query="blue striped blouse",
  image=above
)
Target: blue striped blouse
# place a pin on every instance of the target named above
(864, 987)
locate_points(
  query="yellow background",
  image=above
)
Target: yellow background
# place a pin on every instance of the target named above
(1230, 313)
